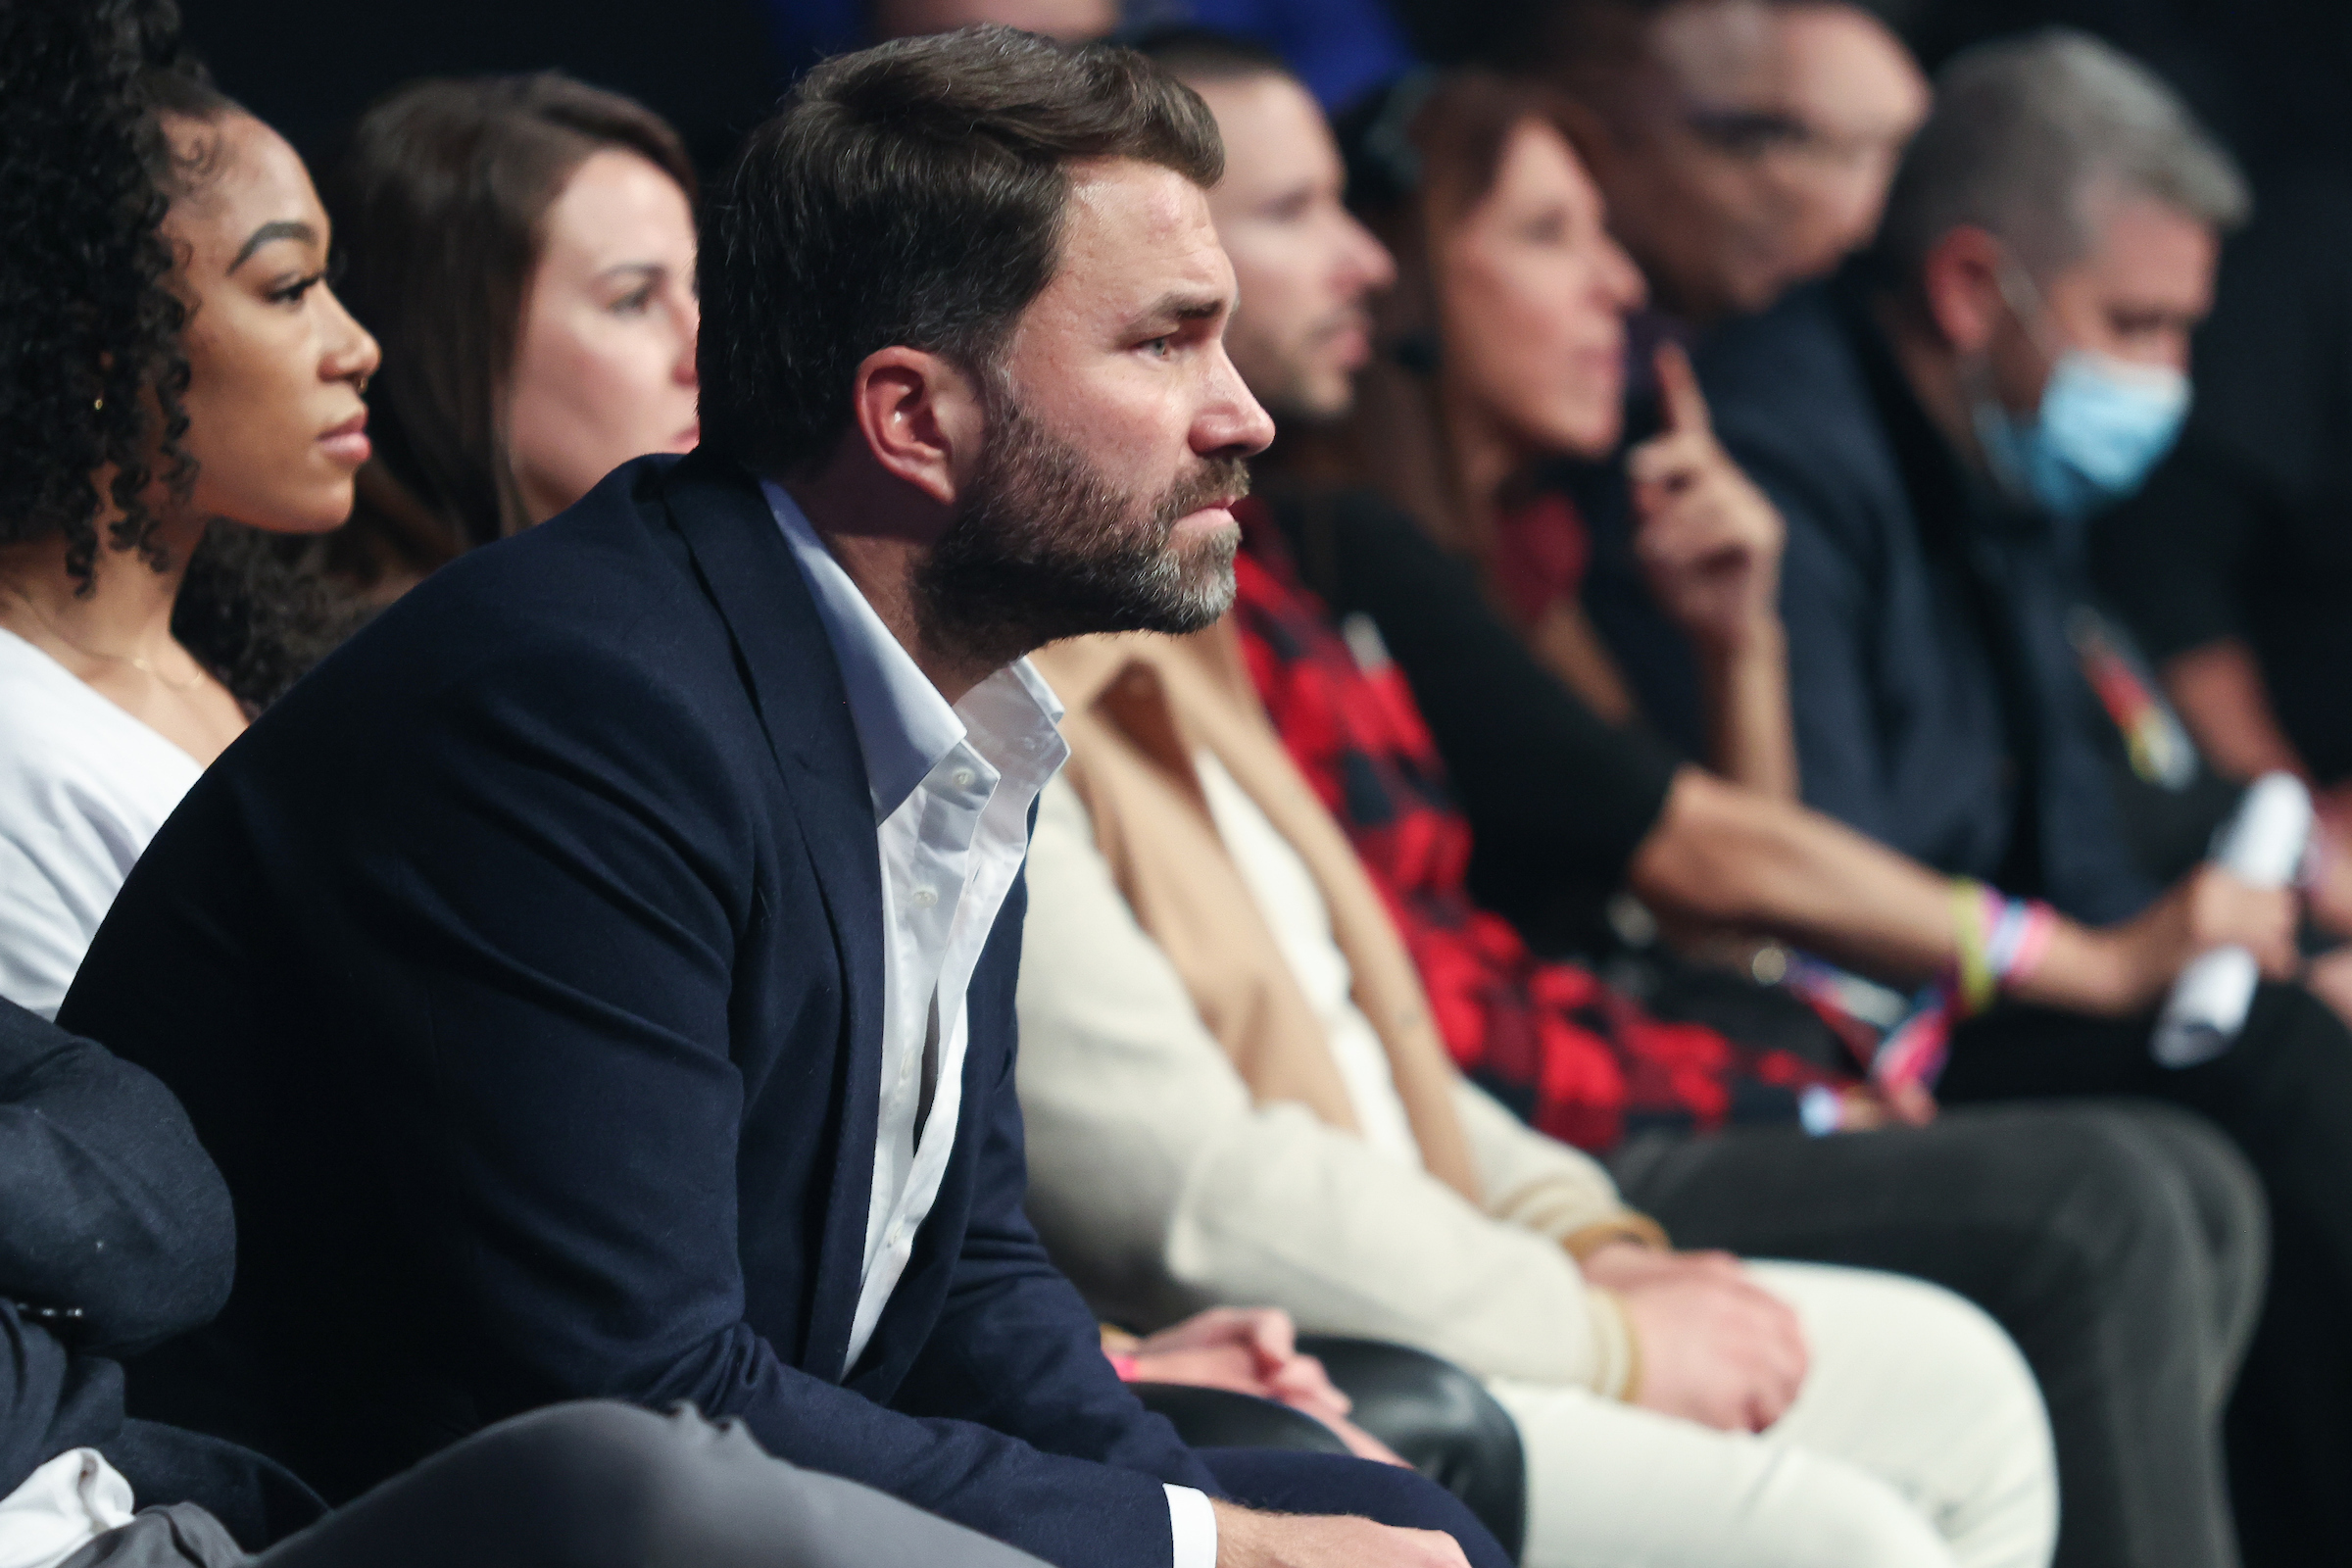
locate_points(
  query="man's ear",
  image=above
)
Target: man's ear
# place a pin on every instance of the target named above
(920, 417)
(1960, 282)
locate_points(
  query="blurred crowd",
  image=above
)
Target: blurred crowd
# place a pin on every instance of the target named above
(1643, 921)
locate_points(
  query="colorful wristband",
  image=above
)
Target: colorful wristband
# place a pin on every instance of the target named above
(1975, 919)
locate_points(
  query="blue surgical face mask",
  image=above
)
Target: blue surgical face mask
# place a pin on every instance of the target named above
(2102, 425)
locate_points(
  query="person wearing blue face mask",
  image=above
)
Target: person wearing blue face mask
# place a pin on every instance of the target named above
(1938, 426)
(2102, 423)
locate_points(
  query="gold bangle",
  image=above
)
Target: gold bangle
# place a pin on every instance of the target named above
(1629, 1226)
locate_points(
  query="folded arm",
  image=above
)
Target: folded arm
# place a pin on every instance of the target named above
(108, 1204)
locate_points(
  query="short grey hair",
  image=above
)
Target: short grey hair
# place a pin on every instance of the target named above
(2031, 135)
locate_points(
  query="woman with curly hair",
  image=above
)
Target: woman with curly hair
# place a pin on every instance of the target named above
(176, 383)
(524, 247)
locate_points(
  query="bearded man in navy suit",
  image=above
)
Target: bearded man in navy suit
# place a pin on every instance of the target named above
(596, 980)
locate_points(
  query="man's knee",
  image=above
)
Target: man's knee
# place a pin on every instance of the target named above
(2117, 1218)
(601, 1476)
(1871, 1526)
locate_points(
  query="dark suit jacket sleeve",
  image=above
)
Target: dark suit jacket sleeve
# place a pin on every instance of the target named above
(106, 1201)
(50, 1399)
(1016, 1346)
(540, 974)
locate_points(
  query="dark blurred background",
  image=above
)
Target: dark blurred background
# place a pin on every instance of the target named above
(2274, 76)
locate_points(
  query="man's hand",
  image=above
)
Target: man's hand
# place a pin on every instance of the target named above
(1254, 1350)
(1248, 1538)
(2205, 909)
(1709, 542)
(1716, 1347)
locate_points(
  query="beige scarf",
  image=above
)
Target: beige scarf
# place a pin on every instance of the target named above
(1141, 707)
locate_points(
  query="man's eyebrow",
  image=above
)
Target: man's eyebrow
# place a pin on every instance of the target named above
(282, 228)
(1186, 308)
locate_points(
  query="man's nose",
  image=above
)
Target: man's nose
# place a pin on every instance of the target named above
(1236, 423)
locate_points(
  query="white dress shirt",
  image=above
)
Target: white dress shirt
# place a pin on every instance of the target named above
(83, 786)
(951, 791)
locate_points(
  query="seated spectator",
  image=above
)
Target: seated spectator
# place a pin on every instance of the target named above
(177, 382)
(554, 220)
(115, 1232)
(1306, 271)
(1740, 147)
(598, 977)
(1919, 424)
(524, 247)
(1743, 146)
(1511, 321)
(1237, 1092)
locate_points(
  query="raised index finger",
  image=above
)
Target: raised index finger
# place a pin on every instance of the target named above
(1682, 402)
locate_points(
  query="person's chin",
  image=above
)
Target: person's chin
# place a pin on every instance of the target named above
(1210, 522)
(321, 513)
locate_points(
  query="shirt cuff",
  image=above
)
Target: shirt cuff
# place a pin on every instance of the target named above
(1193, 1525)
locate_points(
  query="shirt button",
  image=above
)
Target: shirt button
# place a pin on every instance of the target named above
(963, 777)
(924, 898)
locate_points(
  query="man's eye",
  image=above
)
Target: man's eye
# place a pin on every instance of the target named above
(1160, 348)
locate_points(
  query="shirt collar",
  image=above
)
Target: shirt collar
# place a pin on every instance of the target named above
(904, 726)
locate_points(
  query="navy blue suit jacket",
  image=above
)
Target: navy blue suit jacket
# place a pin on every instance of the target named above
(522, 972)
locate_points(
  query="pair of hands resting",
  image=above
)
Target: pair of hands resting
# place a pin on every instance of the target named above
(1716, 1348)
(1254, 1350)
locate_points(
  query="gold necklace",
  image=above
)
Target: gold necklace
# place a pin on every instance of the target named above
(137, 662)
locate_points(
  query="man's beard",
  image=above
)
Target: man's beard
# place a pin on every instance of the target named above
(1047, 548)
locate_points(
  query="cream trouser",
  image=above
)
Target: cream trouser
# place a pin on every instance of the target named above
(1918, 1438)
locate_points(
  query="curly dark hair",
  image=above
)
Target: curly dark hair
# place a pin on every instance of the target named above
(91, 369)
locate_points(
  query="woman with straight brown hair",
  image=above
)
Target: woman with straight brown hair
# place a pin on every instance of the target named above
(523, 247)
(1507, 346)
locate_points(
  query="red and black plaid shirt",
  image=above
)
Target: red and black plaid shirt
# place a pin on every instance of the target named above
(1578, 1059)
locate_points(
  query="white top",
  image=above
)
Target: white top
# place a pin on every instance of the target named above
(61, 1508)
(1289, 900)
(951, 791)
(83, 786)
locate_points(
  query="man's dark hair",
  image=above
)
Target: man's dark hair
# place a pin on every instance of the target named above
(910, 194)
